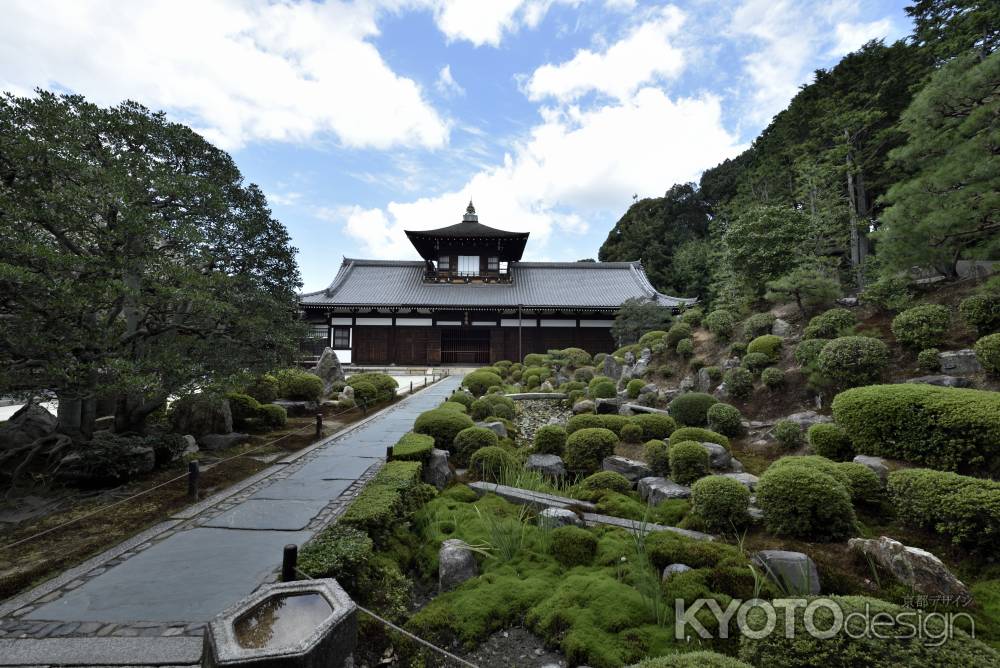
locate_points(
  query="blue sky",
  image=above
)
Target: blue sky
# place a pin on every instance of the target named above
(362, 119)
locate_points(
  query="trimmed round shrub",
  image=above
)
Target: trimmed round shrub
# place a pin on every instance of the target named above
(685, 348)
(894, 645)
(532, 381)
(534, 359)
(463, 398)
(550, 439)
(606, 481)
(692, 316)
(442, 426)
(988, 353)
(829, 324)
(755, 362)
(604, 390)
(493, 405)
(574, 357)
(651, 338)
(453, 406)
(542, 372)
(773, 378)
(946, 428)
(922, 326)
(573, 546)
(677, 333)
(830, 441)
(720, 323)
(365, 393)
(385, 385)
(273, 416)
(981, 313)
(573, 397)
(714, 373)
(889, 293)
(413, 447)
(768, 344)
(587, 448)
(631, 433)
(516, 375)
(264, 388)
(804, 502)
(584, 421)
(808, 351)
(688, 462)
(596, 380)
(654, 425)
(852, 360)
(725, 419)
(479, 382)
(739, 383)
(572, 386)
(758, 324)
(788, 434)
(633, 387)
(738, 349)
(584, 374)
(929, 360)
(696, 364)
(657, 457)
(864, 484)
(299, 385)
(698, 434)
(699, 659)
(721, 503)
(491, 462)
(471, 439)
(691, 408)
(244, 409)
(964, 509)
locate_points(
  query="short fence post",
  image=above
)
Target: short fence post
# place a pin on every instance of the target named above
(364, 408)
(411, 387)
(289, 559)
(193, 474)
(319, 425)
(388, 453)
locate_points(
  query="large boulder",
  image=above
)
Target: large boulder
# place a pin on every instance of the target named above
(654, 490)
(456, 564)
(583, 406)
(914, 567)
(636, 367)
(328, 368)
(794, 572)
(942, 380)
(548, 465)
(553, 518)
(718, 456)
(299, 408)
(781, 327)
(630, 468)
(221, 441)
(876, 464)
(611, 368)
(28, 424)
(748, 480)
(497, 428)
(437, 471)
(703, 381)
(806, 419)
(960, 362)
(106, 460)
(201, 414)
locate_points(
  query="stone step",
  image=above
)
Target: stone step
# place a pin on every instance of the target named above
(527, 496)
(593, 519)
(180, 651)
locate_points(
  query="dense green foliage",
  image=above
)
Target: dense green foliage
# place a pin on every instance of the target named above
(922, 326)
(988, 353)
(550, 439)
(413, 447)
(295, 383)
(805, 502)
(654, 425)
(739, 383)
(606, 481)
(492, 405)
(587, 448)
(491, 462)
(637, 316)
(698, 434)
(788, 434)
(852, 360)
(725, 419)
(442, 426)
(470, 440)
(478, 382)
(945, 428)
(766, 344)
(688, 462)
(692, 660)
(721, 503)
(385, 385)
(830, 324)
(657, 457)
(830, 441)
(691, 408)
(981, 312)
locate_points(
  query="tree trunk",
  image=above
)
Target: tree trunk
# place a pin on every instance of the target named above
(857, 210)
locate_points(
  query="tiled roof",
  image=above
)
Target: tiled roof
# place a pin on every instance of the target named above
(598, 285)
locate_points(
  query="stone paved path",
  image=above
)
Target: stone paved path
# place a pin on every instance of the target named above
(176, 576)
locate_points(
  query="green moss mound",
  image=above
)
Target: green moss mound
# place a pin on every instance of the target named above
(851, 361)
(657, 457)
(443, 426)
(453, 406)
(768, 345)
(550, 439)
(491, 462)
(573, 546)
(587, 448)
(721, 503)
(691, 408)
(830, 441)
(633, 387)
(478, 382)
(692, 660)
(413, 447)
(699, 435)
(631, 433)
(298, 385)
(688, 462)
(606, 481)
(725, 419)
(470, 440)
(805, 502)
(492, 405)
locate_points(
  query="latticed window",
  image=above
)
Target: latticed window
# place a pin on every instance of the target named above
(493, 264)
(444, 263)
(341, 338)
(468, 265)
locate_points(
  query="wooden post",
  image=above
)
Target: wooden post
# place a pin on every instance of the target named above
(319, 425)
(289, 559)
(193, 474)
(388, 453)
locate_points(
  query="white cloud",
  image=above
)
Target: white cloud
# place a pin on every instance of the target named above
(573, 161)
(487, 21)
(239, 71)
(642, 56)
(851, 36)
(446, 84)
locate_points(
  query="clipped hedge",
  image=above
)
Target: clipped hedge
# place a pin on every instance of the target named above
(272, 416)
(243, 408)
(413, 447)
(852, 360)
(381, 502)
(453, 406)
(698, 434)
(478, 382)
(807, 352)
(550, 439)
(298, 385)
(830, 441)
(830, 324)
(929, 360)
(631, 433)
(772, 377)
(688, 462)
(492, 405)
(758, 324)
(699, 659)
(470, 440)
(725, 419)
(442, 426)
(587, 448)
(946, 428)
(677, 332)
(964, 509)
(721, 503)
(988, 353)
(657, 456)
(603, 390)
(805, 502)
(739, 383)
(654, 425)
(691, 408)
(756, 362)
(720, 323)
(768, 344)
(385, 385)
(365, 393)
(788, 434)
(981, 313)
(922, 326)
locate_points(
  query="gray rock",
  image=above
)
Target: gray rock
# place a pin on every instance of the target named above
(191, 446)
(794, 572)
(221, 441)
(702, 381)
(730, 363)
(687, 384)
(553, 518)
(781, 327)
(960, 362)
(721, 392)
(437, 471)
(347, 393)
(607, 406)
(611, 368)
(735, 465)
(88, 465)
(497, 428)
(328, 368)
(914, 567)
(547, 387)
(673, 569)
(298, 407)
(755, 513)
(649, 388)
(548, 465)
(654, 490)
(105, 423)
(748, 480)
(806, 419)
(942, 381)
(630, 468)
(456, 564)
(32, 420)
(849, 302)
(583, 406)
(876, 464)
(718, 456)
(201, 414)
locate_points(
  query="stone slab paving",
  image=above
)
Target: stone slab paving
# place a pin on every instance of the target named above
(165, 583)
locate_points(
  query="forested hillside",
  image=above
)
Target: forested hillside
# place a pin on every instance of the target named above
(884, 163)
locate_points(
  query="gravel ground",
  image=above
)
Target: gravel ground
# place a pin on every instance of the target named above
(534, 413)
(514, 647)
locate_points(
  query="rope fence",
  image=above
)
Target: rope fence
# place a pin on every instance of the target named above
(187, 476)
